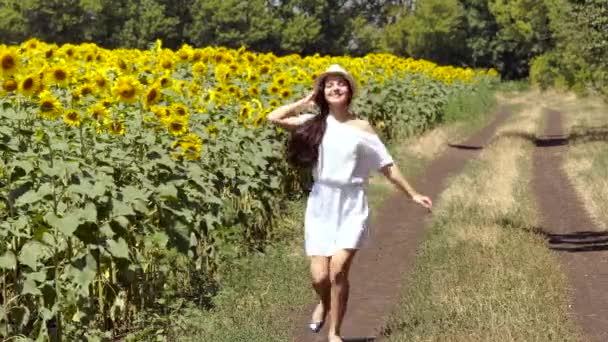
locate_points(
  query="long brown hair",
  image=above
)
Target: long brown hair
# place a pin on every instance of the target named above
(303, 146)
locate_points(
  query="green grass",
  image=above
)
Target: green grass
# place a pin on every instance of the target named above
(514, 87)
(482, 272)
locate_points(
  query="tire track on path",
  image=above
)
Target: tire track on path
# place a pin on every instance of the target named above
(378, 273)
(581, 247)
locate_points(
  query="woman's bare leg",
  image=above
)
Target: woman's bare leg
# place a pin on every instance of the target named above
(319, 270)
(339, 266)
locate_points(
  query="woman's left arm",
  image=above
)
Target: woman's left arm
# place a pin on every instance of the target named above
(385, 164)
(392, 173)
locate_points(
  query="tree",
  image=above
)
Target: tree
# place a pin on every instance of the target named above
(13, 26)
(138, 23)
(233, 23)
(437, 31)
(523, 33)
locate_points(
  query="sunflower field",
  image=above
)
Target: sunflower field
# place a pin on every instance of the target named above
(129, 178)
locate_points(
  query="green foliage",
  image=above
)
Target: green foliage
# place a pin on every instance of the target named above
(437, 31)
(468, 106)
(141, 22)
(232, 23)
(579, 28)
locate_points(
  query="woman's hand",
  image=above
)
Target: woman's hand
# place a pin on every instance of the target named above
(286, 116)
(423, 201)
(307, 101)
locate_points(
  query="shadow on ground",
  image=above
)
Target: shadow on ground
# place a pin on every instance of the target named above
(582, 241)
(578, 135)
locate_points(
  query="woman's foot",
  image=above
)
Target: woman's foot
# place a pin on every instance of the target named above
(318, 318)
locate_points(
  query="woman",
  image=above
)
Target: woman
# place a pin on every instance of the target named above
(342, 150)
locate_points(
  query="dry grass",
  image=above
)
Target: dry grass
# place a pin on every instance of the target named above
(482, 273)
(586, 162)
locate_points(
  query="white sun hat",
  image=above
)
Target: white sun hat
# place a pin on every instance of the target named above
(336, 69)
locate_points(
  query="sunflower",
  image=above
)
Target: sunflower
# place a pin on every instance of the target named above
(180, 110)
(50, 52)
(152, 96)
(281, 81)
(212, 130)
(9, 61)
(273, 103)
(121, 64)
(199, 68)
(127, 89)
(245, 112)
(59, 75)
(116, 127)
(249, 57)
(72, 117)
(68, 50)
(259, 120)
(86, 89)
(234, 91)
(253, 91)
(190, 145)
(177, 126)
(265, 69)
(49, 106)
(285, 93)
(184, 53)
(253, 78)
(163, 114)
(98, 112)
(165, 81)
(197, 55)
(9, 85)
(166, 63)
(100, 81)
(31, 44)
(29, 85)
(274, 89)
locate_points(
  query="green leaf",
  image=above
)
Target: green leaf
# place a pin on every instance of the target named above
(122, 221)
(120, 208)
(131, 193)
(83, 272)
(106, 230)
(119, 248)
(48, 170)
(30, 287)
(89, 213)
(29, 197)
(25, 165)
(31, 252)
(140, 206)
(158, 239)
(167, 191)
(8, 260)
(67, 225)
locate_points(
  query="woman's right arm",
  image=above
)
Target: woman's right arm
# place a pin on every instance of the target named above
(285, 116)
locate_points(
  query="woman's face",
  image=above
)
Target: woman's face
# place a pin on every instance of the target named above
(337, 90)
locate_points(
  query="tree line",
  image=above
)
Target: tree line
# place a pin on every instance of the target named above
(505, 34)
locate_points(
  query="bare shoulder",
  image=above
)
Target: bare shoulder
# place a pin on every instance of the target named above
(362, 125)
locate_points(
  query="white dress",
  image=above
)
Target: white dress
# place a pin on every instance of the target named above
(337, 212)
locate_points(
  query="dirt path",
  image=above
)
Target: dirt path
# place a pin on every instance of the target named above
(379, 270)
(570, 231)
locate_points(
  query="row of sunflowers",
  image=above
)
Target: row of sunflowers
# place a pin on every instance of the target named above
(131, 177)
